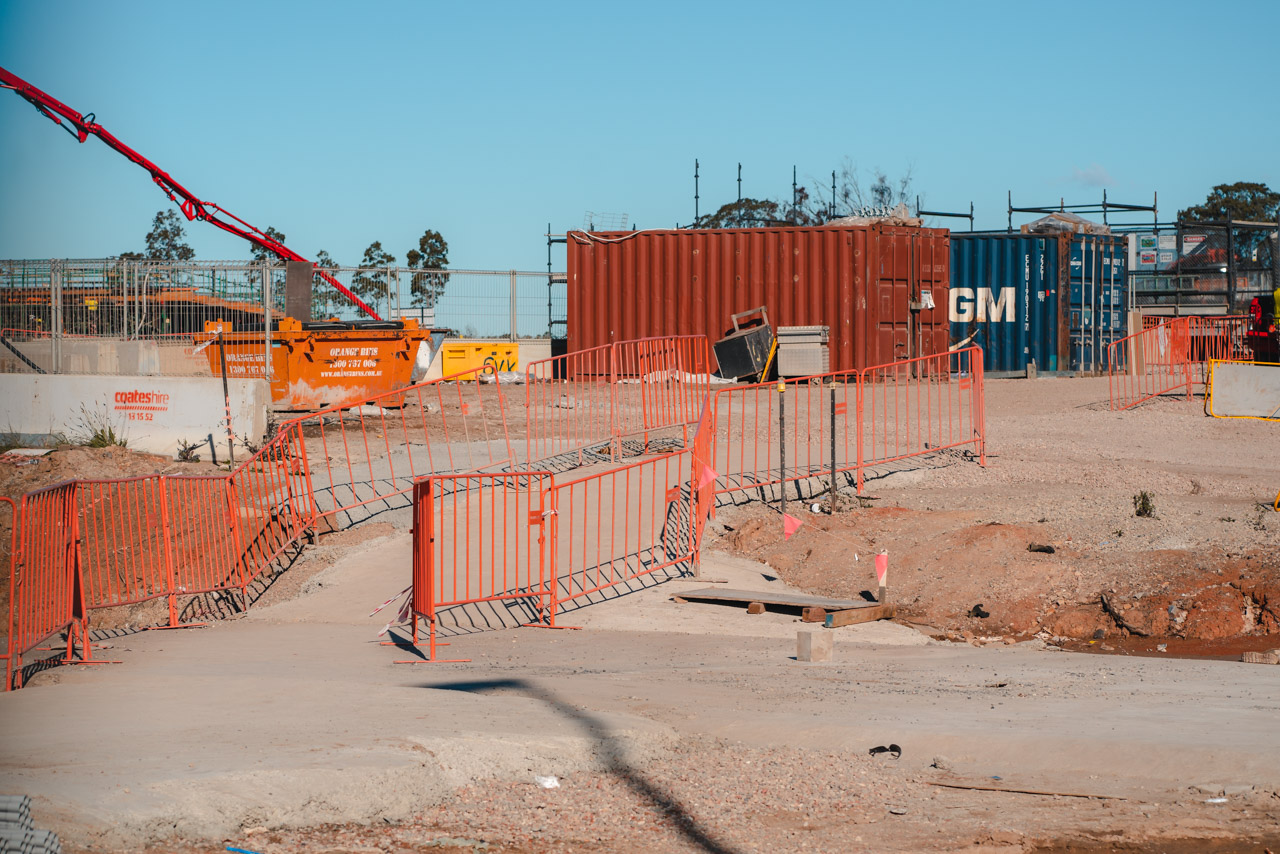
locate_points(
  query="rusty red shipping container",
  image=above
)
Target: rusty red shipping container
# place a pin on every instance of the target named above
(870, 283)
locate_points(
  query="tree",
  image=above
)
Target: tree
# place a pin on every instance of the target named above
(432, 254)
(166, 240)
(852, 200)
(1242, 200)
(370, 282)
(744, 213)
(803, 208)
(131, 256)
(261, 255)
(322, 294)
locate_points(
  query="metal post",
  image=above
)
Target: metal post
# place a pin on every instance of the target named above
(513, 305)
(833, 450)
(782, 442)
(695, 191)
(549, 280)
(1231, 267)
(55, 316)
(226, 398)
(266, 335)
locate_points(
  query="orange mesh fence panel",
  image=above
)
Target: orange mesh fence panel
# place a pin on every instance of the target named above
(621, 525)
(590, 400)
(125, 547)
(480, 538)
(45, 596)
(1150, 363)
(202, 537)
(1221, 339)
(764, 438)
(662, 383)
(569, 403)
(269, 505)
(921, 406)
(9, 559)
(363, 459)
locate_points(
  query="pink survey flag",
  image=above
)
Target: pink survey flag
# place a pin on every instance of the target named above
(708, 476)
(790, 524)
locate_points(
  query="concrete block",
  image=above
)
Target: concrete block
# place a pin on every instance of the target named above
(152, 413)
(814, 646)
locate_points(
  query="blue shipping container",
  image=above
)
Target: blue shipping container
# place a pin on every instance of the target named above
(1056, 300)
(1098, 298)
(1004, 293)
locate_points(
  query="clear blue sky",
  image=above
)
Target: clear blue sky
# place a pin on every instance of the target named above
(344, 123)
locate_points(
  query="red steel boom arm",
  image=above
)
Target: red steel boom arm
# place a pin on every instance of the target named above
(192, 207)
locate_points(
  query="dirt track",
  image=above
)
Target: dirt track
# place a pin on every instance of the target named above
(691, 727)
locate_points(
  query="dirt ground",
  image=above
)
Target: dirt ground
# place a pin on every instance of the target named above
(691, 727)
(1202, 574)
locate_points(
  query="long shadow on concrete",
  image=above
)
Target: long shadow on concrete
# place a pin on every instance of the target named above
(658, 798)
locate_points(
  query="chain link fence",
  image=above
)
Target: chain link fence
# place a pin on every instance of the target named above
(1203, 268)
(117, 316)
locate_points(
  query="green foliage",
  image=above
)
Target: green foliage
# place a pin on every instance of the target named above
(370, 283)
(805, 208)
(167, 239)
(106, 437)
(187, 451)
(323, 296)
(1143, 505)
(1241, 200)
(745, 213)
(261, 255)
(431, 254)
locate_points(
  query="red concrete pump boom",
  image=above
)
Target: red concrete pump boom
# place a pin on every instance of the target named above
(192, 207)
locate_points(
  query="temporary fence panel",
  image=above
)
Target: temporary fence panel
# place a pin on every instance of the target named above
(619, 525)
(586, 402)
(271, 503)
(769, 434)
(1004, 298)
(1218, 339)
(481, 538)
(921, 406)
(869, 283)
(9, 558)
(662, 382)
(569, 402)
(1098, 301)
(367, 456)
(45, 597)
(773, 433)
(1150, 363)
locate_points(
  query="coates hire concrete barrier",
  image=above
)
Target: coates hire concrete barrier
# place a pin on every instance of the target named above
(152, 414)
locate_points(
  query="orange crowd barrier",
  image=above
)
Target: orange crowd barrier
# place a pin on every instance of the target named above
(1173, 356)
(480, 538)
(770, 434)
(45, 596)
(588, 402)
(620, 525)
(921, 406)
(362, 459)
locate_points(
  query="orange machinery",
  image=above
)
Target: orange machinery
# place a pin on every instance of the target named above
(317, 364)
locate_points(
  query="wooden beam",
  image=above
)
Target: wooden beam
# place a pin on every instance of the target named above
(853, 616)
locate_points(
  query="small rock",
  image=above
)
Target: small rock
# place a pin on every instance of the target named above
(1042, 548)
(942, 763)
